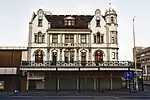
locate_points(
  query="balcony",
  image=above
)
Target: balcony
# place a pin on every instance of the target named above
(68, 45)
(122, 64)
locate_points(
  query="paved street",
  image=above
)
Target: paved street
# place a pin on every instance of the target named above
(76, 96)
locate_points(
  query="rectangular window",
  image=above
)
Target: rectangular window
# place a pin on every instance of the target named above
(40, 38)
(69, 22)
(102, 39)
(54, 38)
(97, 23)
(40, 23)
(113, 55)
(117, 56)
(83, 56)
(36, 38)
(113, 40)
(94, 39)
(71, 57)
(83, 38)
(66, 57)
(43, 38)
(69, 38)
(98, 38)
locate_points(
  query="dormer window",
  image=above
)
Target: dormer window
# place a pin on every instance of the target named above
(70, 21)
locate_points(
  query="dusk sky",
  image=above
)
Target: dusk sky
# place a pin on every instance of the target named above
(16, 14)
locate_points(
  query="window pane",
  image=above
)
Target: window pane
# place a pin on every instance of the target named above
(98, 39)
(66, 54)
(83, 38)
(73, 22)
(113, 41)
(43, 40)
(102, 39)
(67, 36)
(71, 57)
(69, 22)
(54, 38)
(113, 55)
(71, 36)
(94, 39)
(97, 23)
(36, 39)
(40, 23)
(112, 20)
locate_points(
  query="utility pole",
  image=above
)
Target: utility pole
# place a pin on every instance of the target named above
(135, 61)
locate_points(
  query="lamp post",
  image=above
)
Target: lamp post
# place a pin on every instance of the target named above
(135, 61)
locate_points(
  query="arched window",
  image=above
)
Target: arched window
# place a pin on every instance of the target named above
(39, 56)
(99, 56)
(112, 19)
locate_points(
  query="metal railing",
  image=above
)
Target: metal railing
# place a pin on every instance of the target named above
(78, 64)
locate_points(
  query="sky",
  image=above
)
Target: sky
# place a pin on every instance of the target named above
(16, 14)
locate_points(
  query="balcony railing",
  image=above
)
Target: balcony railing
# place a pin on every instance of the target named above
(78, 64)
(69, 45)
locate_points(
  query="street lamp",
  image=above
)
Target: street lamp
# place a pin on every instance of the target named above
(135, 62)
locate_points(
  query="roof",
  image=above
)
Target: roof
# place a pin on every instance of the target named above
(81, 21)
(13, 48)
(144, 50)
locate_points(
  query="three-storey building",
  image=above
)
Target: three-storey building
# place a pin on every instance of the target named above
(73, 52)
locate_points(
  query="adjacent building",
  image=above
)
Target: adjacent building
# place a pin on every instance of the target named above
(10, 61)
(143, 57)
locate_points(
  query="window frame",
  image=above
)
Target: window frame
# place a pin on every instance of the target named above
(40, 22)
(83, 38)
(113, 55)
(113, 39)
(98, 23)
(53, 38)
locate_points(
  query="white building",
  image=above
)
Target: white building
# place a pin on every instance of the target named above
(72, 38)
(73, 46)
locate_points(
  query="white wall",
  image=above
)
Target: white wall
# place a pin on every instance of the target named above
(24, 56)
(101, 29)
(36, 29)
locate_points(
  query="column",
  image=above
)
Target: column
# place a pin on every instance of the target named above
(145, 69)
(57, 83)
(77, 39)
(60, 58)
(111, 87)
(77, 54)
(48, 54)
(94, 83)
(90, 58)
(99, 87)
(27, 81)
(108, 42)
(61, 39)
(29, 42)
(89, 40)
(85, 83)
(48, 47)
(77, 83)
